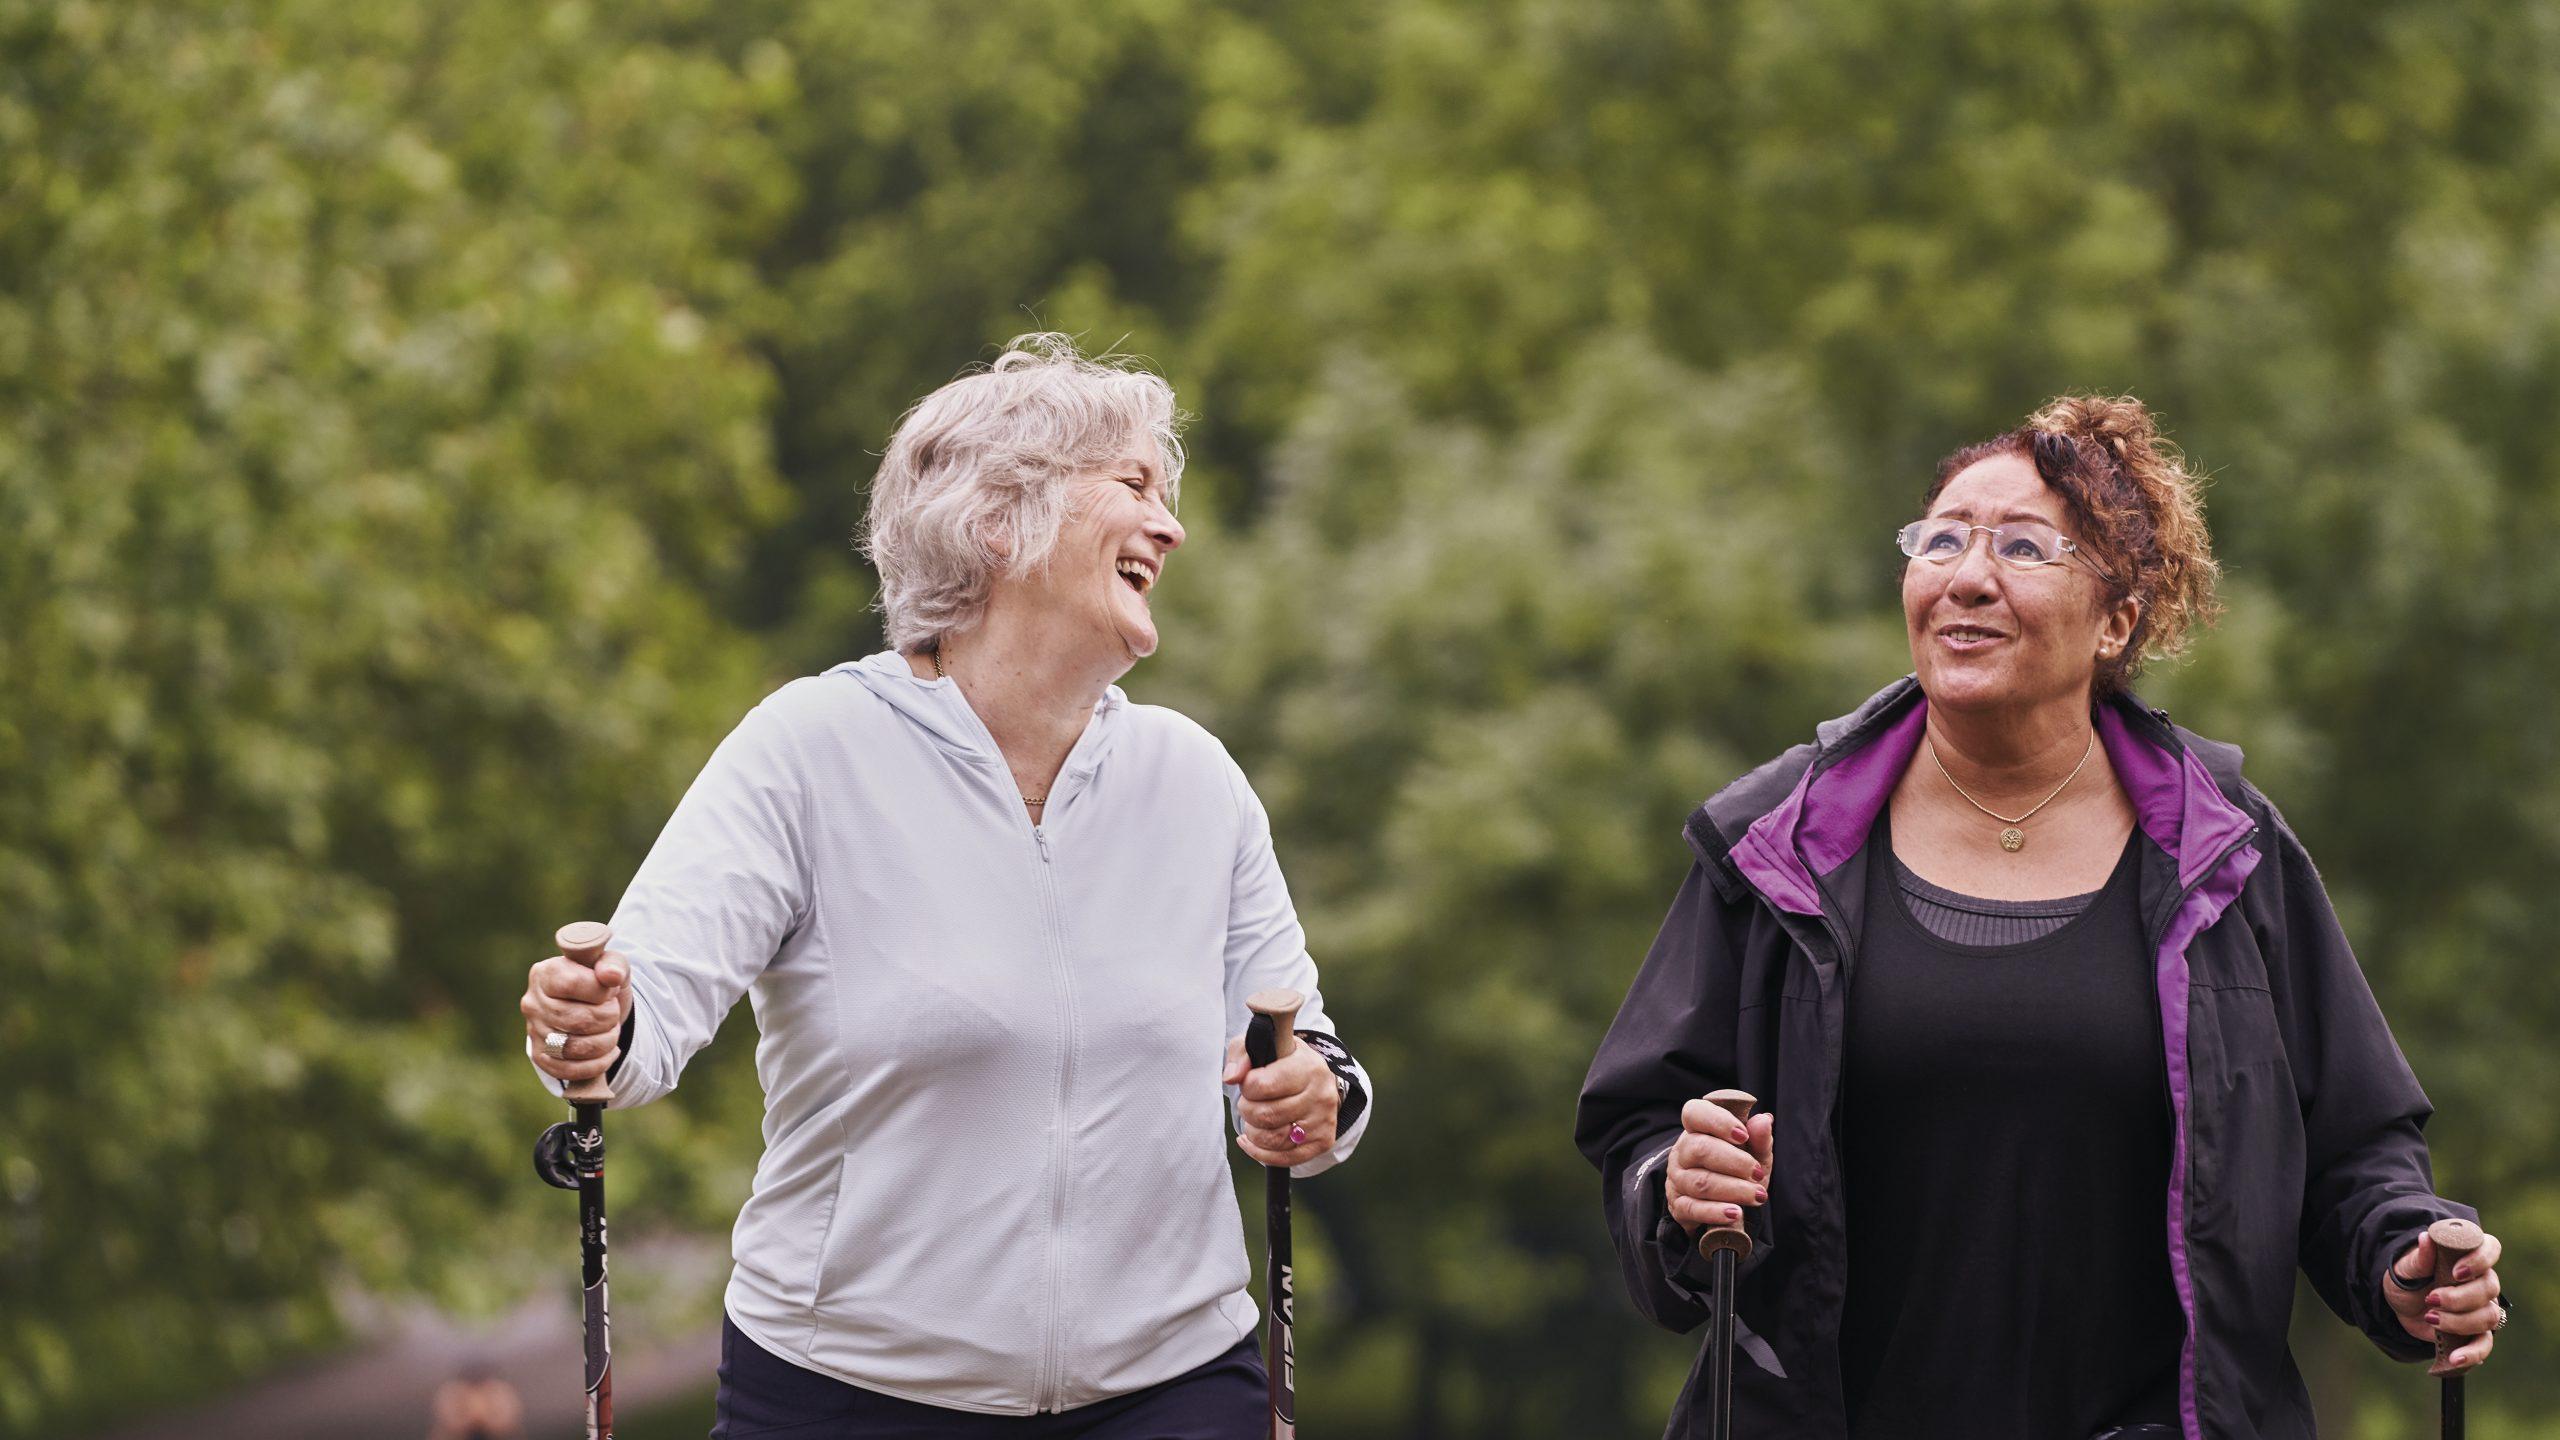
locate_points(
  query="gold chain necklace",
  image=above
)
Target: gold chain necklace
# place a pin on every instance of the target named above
(1034, 801)
(2014, 839)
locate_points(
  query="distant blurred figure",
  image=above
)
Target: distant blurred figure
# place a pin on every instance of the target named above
(477, 1405)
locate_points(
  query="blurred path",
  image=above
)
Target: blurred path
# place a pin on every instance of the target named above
(381, 1391)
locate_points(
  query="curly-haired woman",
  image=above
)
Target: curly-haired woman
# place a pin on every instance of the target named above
(2067, 1059)
(999, 925)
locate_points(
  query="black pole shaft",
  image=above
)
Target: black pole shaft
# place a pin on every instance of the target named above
(2453, 1407)
(586, 1141)
(1283, 1337)
(1720, 1350)
(1280, 1352)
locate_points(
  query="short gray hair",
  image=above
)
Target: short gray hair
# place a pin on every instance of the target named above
(984, 462)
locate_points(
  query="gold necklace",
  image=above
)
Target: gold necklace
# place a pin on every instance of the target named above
(2014, 839)
(1034, 801)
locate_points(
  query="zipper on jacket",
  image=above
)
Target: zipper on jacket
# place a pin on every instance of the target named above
(2191, 1360)
(1052, 1378)
(1836, 1063)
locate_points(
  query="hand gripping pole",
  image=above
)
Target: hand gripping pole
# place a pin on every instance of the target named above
(2455, 1241)
(1725, 1248)
(570, 1155)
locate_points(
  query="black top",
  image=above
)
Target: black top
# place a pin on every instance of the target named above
(2005, 1139)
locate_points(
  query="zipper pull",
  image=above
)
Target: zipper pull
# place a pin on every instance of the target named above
(1042, 837)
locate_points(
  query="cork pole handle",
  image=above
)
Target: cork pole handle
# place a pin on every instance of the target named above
(584, 941)
(2455, 1242)
(1736, 1103)
(1282, 1007)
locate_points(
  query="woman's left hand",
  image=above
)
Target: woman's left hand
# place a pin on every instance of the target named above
(2466, 1309)
(1296, 1089)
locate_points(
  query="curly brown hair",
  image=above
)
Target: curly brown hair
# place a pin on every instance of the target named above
(2137, 507)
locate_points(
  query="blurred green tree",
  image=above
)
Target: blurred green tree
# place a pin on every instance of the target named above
(962, 174)
(374, 441)
(1562, 369)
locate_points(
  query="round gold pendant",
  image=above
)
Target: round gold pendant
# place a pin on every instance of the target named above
(2013, 839)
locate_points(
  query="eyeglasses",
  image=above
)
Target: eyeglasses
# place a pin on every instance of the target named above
(2021, 545)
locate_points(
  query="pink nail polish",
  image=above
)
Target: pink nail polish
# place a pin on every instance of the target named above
(2433, 1318)
(1741, 1137)
(1732, 1212)
(1760, 1197)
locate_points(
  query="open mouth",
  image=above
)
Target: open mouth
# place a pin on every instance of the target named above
(1137, 575)
(1968, 637)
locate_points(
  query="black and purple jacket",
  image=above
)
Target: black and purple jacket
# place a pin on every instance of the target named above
(2296, 1118)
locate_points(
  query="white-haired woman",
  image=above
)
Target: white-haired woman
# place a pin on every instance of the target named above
(999, 925)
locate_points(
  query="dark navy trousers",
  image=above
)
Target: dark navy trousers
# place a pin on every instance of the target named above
(765, 1397)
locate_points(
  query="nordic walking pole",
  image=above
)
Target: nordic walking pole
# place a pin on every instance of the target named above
(2454, 1242)
(1271, 1035)
(1725, 1247)
(570, 1155)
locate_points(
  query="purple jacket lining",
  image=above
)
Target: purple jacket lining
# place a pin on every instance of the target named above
(1828, 815)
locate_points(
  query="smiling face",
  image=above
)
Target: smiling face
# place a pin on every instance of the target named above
(1110, 556)
(1987, 636)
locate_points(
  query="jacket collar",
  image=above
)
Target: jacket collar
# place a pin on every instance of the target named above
(1844, 778)
(938, 708)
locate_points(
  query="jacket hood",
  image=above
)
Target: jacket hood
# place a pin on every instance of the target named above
(939, 709)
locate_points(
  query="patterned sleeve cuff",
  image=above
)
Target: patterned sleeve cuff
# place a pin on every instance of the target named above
(1346, 1073)
(1353, 1118)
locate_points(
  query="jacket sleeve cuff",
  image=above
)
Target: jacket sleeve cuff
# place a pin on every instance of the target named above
(2402, 1346)
(2380, 1323)
(1689, 1273)
(1673, 1250)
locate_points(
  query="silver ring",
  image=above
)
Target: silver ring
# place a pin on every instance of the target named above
(556, 1045)
(2501, 1322)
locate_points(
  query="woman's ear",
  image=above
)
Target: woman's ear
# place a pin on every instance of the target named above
(2116, 628)
(997, 538)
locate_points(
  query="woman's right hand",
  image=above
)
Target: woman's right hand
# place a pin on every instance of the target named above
(1718, 1165)
(586, 1005)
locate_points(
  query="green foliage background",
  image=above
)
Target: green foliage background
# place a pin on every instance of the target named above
(424, 429)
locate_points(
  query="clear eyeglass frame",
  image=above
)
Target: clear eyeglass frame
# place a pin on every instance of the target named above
(2037, 544)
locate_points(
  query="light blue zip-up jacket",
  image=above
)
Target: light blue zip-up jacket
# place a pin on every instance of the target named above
(995, 1174)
